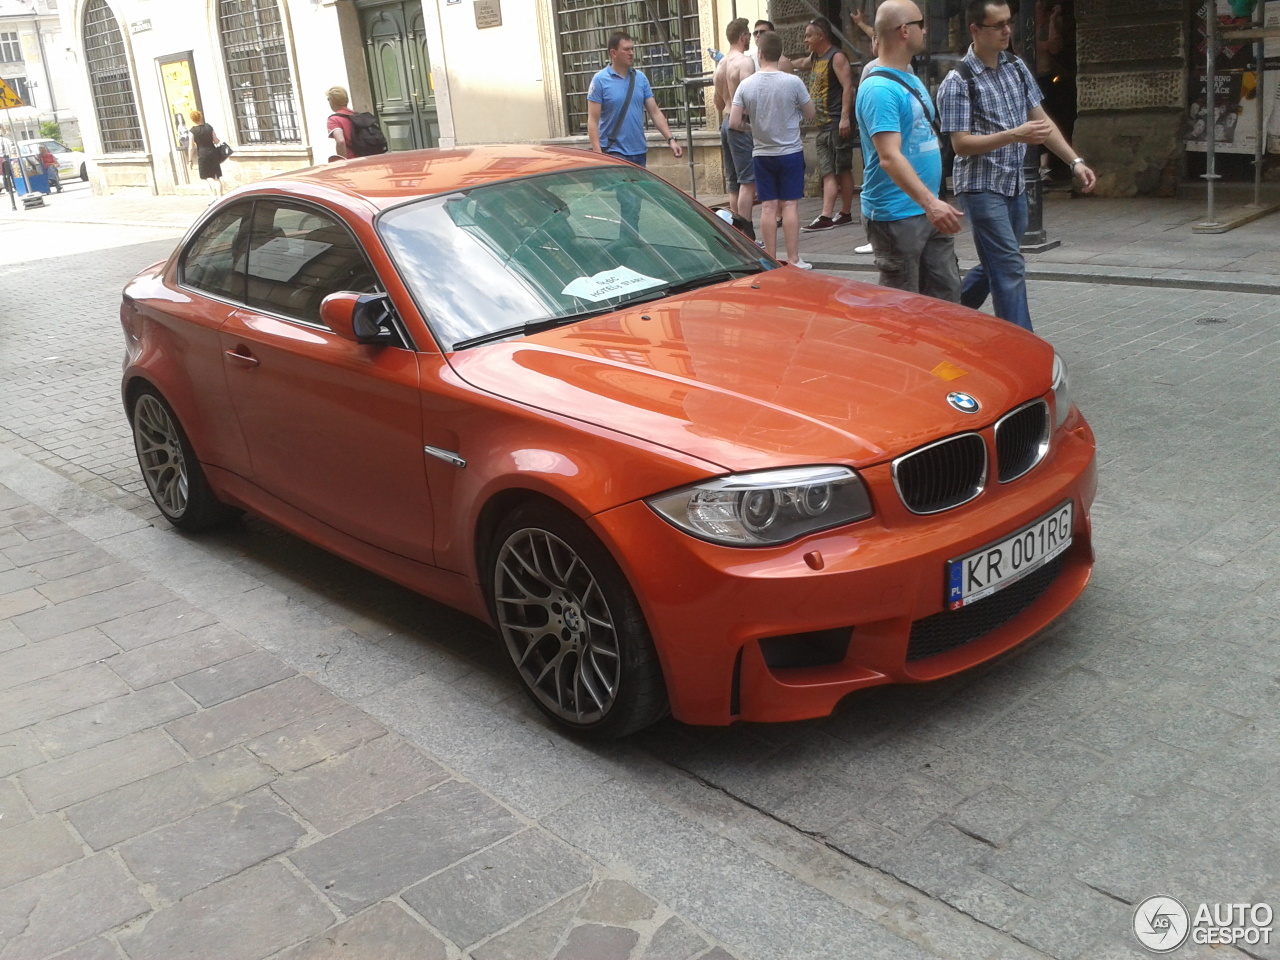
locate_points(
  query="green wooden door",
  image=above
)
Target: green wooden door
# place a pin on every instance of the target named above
(395, 44)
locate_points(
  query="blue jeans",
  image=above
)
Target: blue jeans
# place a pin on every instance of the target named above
(628, 199)
(998, 223)
(639, 159)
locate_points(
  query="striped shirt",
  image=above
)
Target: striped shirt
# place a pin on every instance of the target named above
(1004, 97)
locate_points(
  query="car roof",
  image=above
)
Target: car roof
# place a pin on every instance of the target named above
(390, 178)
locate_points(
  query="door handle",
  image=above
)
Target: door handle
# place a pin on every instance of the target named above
(244, 359)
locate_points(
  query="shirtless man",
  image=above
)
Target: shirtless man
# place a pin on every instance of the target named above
(759, 30)
(736, 145)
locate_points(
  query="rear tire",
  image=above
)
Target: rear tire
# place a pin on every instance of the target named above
(169, 465)
(84, 172)
(572, 626)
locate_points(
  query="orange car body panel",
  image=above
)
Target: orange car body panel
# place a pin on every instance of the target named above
(779, 369)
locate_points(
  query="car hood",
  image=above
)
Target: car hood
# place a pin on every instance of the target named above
(779, 368)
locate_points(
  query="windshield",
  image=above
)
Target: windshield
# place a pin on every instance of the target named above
(557, 246)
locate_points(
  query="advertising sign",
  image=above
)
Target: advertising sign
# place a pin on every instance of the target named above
(181, 95)
(1242, 85)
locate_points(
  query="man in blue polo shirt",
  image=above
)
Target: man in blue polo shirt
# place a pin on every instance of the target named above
(615, 120)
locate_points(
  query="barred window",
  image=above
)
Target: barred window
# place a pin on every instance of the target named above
(584, 27)
(258, 75)
(10, 52)
(107, 64)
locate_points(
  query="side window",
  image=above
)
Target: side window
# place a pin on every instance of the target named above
(214, 261)
(298, 256)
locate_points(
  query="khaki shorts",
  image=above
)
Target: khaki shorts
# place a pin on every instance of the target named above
(835, 153)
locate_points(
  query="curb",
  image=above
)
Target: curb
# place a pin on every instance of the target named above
(1089, 273)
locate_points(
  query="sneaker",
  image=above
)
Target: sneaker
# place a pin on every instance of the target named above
(842, 219)
(802, 264)
(865, 248)
(819, 223)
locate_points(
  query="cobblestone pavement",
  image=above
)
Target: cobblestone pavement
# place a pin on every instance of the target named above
(237, 745)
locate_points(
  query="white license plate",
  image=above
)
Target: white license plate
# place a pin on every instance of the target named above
(1006, 561)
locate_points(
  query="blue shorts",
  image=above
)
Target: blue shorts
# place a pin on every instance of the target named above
(780, 178)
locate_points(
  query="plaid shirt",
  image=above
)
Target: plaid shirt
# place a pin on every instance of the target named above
(1004, 97)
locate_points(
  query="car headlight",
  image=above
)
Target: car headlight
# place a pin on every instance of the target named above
(1061, 392)
(768, 507)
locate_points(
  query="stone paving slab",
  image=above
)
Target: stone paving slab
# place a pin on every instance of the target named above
(142, 819)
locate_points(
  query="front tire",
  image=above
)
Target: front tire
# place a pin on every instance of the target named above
(572, 626)
(84, 172)
(169, 466)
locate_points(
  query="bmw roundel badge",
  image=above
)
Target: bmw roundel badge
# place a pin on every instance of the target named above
(962, 402)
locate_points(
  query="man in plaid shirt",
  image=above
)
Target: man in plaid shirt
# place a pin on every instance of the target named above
(991, 116)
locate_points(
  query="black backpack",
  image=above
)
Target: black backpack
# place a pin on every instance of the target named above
(366, 136)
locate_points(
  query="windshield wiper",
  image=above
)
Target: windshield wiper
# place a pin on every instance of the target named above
(715, 276)
(550, 323)
(529, 327)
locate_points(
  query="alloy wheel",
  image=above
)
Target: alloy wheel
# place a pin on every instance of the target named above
(160, 453)
(557, 625)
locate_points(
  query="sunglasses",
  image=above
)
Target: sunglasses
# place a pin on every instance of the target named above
(1002, 25)
(913, 23)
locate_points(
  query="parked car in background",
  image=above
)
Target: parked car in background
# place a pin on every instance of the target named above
(546, 387)
(71, 163)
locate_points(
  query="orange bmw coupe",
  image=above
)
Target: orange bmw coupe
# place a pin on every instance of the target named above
(549, 389)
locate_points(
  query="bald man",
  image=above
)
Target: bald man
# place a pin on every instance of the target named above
(912, 232)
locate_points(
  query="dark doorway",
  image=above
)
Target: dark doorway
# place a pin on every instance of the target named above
(395, 44)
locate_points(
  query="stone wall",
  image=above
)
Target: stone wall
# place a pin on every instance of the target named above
(1132, 89)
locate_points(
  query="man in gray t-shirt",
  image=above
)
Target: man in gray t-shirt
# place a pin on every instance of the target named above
(776, 102)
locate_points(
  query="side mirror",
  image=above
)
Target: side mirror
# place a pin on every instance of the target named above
(356, 316)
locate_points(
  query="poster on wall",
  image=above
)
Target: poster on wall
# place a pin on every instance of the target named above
(1271, 46)
(181, 95)
(1242, 86)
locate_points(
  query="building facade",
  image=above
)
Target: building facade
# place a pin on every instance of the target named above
(33, 64)
(455, 72)
(435, 72)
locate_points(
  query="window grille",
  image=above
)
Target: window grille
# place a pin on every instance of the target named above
(258, 75)
(10, 51)
(584, 27)
(107, 64)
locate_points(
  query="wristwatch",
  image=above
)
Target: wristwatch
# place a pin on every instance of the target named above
(672, 137)
(1073, 163)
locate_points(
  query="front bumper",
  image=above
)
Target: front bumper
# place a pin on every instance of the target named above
(708, 607)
